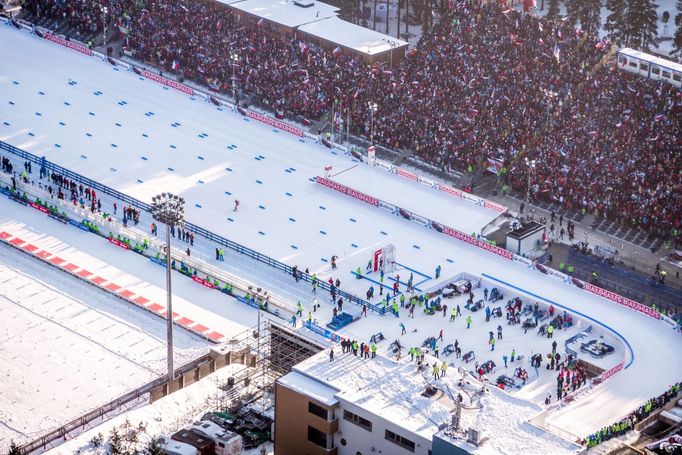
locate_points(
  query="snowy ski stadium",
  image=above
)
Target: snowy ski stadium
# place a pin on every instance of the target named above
(279, 221)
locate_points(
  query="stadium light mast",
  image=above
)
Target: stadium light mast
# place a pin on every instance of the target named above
(104, 23)
(393, 45)
(169, 209)
(235, 61)
(372, 109)
(531, 168)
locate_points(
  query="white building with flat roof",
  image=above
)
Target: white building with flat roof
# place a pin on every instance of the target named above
(355, 39)
(380, 406)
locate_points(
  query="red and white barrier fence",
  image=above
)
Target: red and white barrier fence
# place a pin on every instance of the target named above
(408, 215)
(490, 205)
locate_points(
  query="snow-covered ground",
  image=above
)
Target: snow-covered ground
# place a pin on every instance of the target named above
(213, 309)
(67, 347)
(202, 131)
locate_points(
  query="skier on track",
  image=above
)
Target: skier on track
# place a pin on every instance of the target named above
(236, 204)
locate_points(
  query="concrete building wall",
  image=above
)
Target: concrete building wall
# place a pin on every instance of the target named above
(359, 440)
(293, 419)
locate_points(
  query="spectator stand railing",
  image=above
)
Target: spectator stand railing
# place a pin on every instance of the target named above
(76, 216)
(49, 166)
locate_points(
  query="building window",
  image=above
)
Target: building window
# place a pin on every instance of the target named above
(397, 439)
(317, 437)
(357, 420)
(317, 410)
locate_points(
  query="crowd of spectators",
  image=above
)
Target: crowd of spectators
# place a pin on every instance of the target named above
(628, 423)
(87, 16)
(484, 82)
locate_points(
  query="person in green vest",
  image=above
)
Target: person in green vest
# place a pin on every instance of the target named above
(570, 270)
(562, 266)
(402, 300)
(468, 321)
(374, 350)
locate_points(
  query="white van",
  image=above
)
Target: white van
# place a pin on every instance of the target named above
(173, 447)
(226, 442)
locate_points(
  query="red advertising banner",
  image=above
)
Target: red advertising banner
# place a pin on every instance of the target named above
(406, 173)
(494, 206)
(73, 46)
(607, 374)
(619, 299)
(450, 190)
(119, 243)
(203, 282)
(165, 81)
(479, 243)
(348, 191)
(275, 123)
(38, 207)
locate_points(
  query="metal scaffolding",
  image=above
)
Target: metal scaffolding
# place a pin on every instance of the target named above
(278, 349)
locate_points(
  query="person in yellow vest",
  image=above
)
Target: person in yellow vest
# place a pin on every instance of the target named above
(443, 369)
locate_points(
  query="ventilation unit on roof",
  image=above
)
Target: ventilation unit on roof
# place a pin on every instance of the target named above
(304, 3)
(473, 436)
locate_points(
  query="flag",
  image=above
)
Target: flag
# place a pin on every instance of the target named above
(336, 51)
(556, 52)
(260, 22)
(540, 26)
(175, 65)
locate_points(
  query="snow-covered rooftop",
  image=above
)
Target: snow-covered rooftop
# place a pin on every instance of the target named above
(352, 36)
(393, 391)
(306, 385)
(287, 13)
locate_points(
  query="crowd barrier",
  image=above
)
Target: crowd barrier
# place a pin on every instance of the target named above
(431, 183)
(411, 216)
(103, 189)
(326, 333)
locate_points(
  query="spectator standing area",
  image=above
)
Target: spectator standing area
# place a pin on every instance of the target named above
(141, 138)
